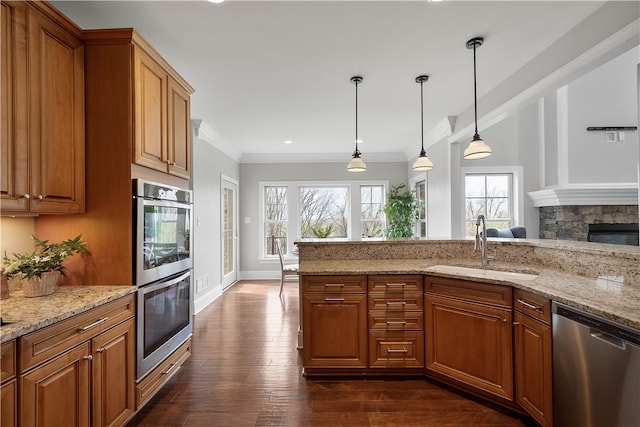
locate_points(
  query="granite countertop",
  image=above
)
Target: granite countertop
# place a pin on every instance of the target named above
(30, 314)
(608, 296)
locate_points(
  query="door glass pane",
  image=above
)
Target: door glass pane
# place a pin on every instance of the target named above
(228, 231)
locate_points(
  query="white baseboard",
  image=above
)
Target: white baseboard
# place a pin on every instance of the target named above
(259, 275)
(202, 301)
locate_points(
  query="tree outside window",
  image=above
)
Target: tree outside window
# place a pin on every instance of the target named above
(276, 220)
(324, 211)
(490, 195)
(421, 197)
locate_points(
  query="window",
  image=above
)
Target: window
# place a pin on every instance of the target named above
(489, 194)
(292, 210)
(324, 211)
(420, 189)
(371, 217)
(275, 218)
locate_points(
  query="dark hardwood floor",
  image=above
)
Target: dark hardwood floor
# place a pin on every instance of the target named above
(245, 371)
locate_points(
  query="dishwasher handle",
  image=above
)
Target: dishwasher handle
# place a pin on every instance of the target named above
(608, 339)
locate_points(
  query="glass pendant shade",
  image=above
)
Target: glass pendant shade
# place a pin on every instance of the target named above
(477, 149)
(423, 163)
(356, 164)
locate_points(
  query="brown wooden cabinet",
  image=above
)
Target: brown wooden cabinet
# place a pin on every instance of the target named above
(9, 388)
(334, 322)
(533, 356)
(80, 371)
(396, 334)
(469, 334)
(43, 161)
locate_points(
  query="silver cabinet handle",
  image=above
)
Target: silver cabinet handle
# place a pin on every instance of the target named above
(531, 306)
(391, 350)
(396, 303)
(27, 196)
(334, 300)
(170, 368)
(396, 322)
(40, 197)
(100, 350)
(93, 325)
(89, 357)
(334, 285)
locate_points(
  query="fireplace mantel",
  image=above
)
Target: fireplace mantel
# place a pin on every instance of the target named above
(586, 194)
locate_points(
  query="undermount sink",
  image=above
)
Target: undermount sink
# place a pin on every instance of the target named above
(485, 273)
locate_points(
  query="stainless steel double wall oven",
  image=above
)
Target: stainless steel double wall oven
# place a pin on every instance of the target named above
(162, 217)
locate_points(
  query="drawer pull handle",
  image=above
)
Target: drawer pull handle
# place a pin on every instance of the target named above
(391, 350)
(396, 285)
(396, 322)
(334, 300)
(89, 357)
(170, 368)
(334, 285)
(93, 325)
(396, 303)
(531, 306)
(100, 350)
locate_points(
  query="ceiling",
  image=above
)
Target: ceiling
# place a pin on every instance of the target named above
(265, 72)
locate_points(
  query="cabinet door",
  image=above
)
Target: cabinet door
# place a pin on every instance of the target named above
(14, 155)
(335, 330)
(533, 366)
(9, 404)
(57, 393)
(113, 379)
(56, 116)
(178, 132)
(471, 343)
(150, 148)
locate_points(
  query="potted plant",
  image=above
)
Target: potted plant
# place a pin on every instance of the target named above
(38, 272)
(401, 210)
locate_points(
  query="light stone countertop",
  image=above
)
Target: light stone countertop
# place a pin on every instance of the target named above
(610, 297)
(31, 314)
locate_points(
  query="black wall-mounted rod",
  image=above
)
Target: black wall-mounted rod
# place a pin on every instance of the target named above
(611, 128)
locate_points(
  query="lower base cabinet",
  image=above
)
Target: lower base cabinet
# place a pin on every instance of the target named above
(9, 403)
(150, 384)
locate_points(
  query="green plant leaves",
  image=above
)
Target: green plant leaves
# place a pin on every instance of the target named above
(401, 210)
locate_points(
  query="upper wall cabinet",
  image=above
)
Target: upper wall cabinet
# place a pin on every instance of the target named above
(161, 98)
(43, 157)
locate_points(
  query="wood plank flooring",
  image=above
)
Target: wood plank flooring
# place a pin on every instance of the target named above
(245, 371)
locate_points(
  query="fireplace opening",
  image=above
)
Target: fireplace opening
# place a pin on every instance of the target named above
(618, 234)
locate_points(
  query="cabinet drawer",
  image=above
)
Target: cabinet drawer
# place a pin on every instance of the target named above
(7, 360)
(395, 283)
(400, 303)
(150, 384)
(335, 284)
(50, 341)
(396, 349)
(472, 291)
(532, 305)
(396, 320)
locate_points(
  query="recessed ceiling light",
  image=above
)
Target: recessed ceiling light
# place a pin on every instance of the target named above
(288, 141)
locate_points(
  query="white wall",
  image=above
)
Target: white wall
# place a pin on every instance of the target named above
(209, 164)
(604, 97)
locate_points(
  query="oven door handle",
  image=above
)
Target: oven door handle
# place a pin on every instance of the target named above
(164, 284)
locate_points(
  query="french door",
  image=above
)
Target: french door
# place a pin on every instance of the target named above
(229, 216)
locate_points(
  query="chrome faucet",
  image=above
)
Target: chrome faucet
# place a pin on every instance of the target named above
(481, 241)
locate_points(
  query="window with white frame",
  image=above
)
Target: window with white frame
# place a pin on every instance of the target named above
(489, 194)
(275, 218)
(292, 210)
(371, 216)
(420, 189)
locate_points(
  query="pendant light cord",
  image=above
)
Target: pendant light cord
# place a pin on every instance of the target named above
(356, 83)
(475, 93)
(421, 119)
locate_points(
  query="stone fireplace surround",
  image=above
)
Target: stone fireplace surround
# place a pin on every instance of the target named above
(567, 222)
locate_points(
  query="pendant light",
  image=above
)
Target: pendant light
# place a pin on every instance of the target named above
(477, 148)
(422, 163)
(356, 164)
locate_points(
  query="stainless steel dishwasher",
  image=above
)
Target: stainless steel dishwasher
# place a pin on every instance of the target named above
(596, 370)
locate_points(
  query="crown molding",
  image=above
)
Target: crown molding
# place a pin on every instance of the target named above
(586, 194)
(204, 132)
